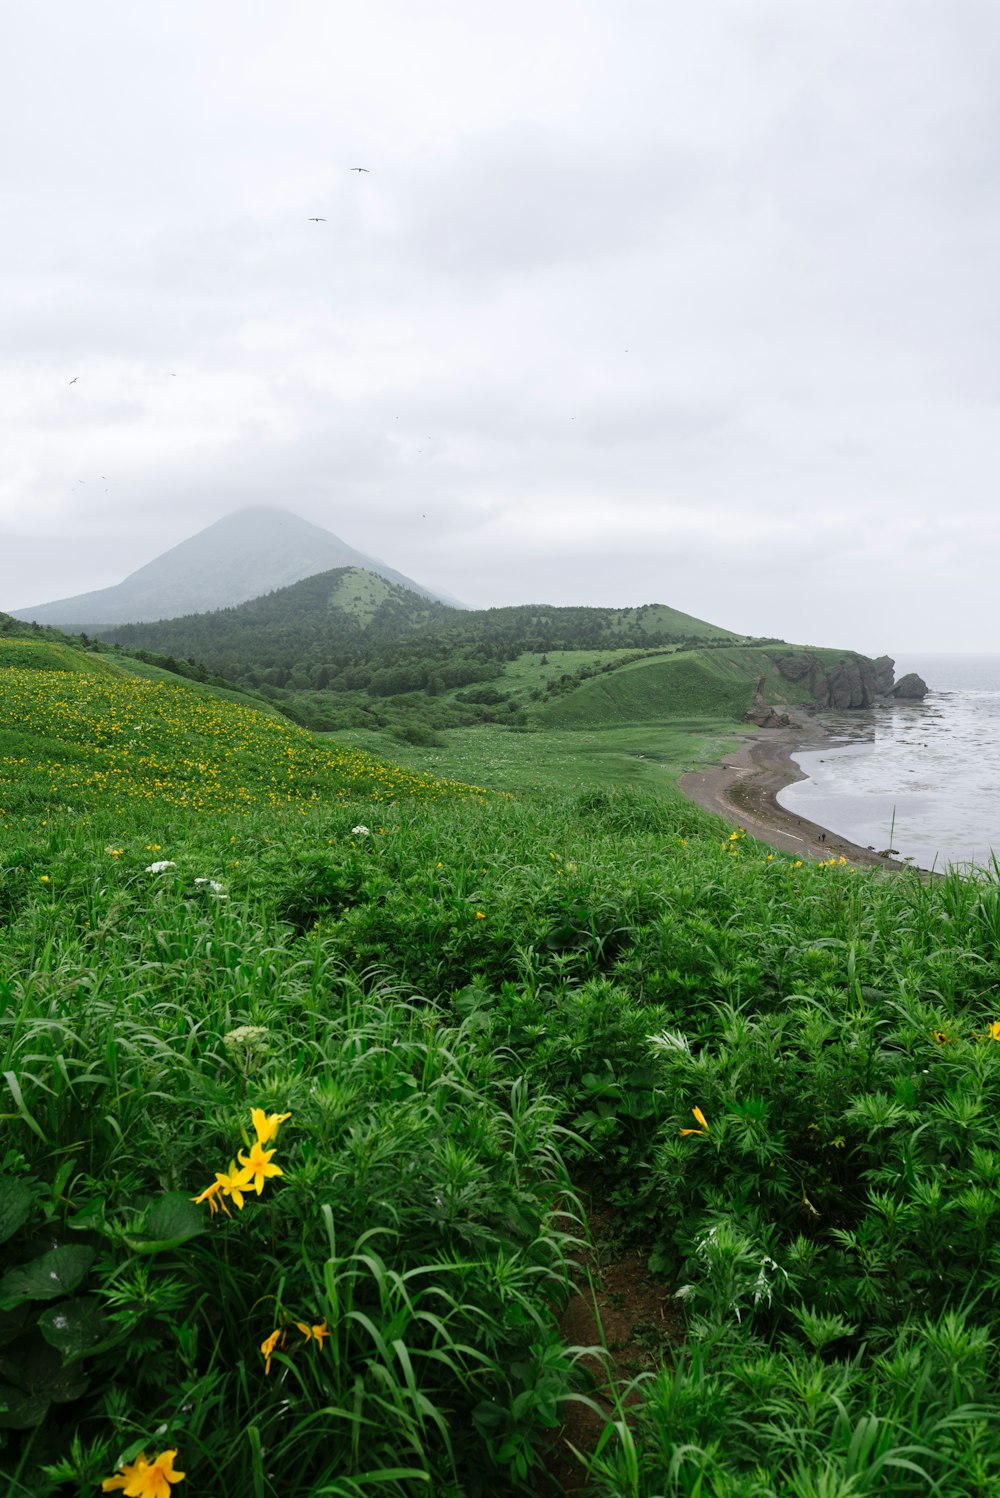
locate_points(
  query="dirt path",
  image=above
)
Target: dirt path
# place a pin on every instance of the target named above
(744, 789)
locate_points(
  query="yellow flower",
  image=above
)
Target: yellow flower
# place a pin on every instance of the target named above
(994, 1029)
(314, 1333)
(233, 1182)
(143, 1479)
(480, 915)
(701, 1119)
(43, 878)
(209, 1195)
(269, 1344)
(266, 1125)
(258, 1165)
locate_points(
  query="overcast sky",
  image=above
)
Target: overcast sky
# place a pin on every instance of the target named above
(638, 301)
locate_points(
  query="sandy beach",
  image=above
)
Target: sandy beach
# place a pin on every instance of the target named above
(744, 788)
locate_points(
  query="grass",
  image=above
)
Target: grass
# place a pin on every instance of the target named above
(782, 1076)
(650, 756)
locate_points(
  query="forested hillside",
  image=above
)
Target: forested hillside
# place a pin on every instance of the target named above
(347, 648)
(346, 627)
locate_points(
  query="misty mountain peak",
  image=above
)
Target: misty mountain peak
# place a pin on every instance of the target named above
(248, 553)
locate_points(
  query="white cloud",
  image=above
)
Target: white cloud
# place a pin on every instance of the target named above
(645, 303)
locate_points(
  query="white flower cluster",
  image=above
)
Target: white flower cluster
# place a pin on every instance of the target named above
(359, 831)
(157, 868)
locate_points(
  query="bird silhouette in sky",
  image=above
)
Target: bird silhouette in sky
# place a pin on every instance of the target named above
(317, 220)
(74, 379)
(360, 169)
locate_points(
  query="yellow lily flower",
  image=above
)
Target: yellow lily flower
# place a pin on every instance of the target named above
(145, 1479)
(269, 1344)
(257, 1166)
(314, 1333)
(701, 1119)
(233, 1182)
(266, 1125)
(209, 1195)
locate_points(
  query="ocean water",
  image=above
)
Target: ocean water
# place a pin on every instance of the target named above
(922, 778)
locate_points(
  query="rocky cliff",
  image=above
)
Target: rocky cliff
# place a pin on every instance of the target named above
(850, 681)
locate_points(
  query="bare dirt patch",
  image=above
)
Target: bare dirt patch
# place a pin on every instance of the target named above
(628, 1314)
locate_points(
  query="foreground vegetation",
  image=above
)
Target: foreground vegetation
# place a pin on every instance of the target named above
(307, 1061)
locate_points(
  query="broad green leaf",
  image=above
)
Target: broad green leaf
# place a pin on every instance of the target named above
(90, 1218)
(171, 1220)
(34, 1367)
(12, 1323)
(74, 1326)
(53, 1274)
(15, 1204)
(20, 1410)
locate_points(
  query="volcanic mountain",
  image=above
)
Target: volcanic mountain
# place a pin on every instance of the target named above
(245, 555)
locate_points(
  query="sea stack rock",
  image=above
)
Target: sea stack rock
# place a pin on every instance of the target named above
(911, 688)
(885, 675)
(852, 683)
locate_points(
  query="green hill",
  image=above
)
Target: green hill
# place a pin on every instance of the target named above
(685, 685)
(49, 655)
(347, 648)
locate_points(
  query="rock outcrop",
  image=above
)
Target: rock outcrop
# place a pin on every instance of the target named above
(885, 674)
(911, 687)
(849, 682)
(762, 715)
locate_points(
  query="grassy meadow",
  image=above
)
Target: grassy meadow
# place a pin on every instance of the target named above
(314, 1067)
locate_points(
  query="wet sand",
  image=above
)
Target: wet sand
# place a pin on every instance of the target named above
(744, 790)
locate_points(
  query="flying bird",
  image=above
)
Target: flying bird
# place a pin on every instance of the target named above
(317, 220)
(360, 169)
(74, 379)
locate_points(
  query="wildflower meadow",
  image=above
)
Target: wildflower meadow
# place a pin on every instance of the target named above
(316, 1075)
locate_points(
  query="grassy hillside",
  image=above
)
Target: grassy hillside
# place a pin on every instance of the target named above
(49, 655)
(318, 1076)
(683, 685)
(686, 685)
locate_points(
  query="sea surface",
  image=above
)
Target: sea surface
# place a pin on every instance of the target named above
(922, 778)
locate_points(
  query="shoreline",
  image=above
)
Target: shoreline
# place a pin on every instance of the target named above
(744, 789)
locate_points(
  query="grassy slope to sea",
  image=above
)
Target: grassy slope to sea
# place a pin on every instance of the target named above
(501, 1002)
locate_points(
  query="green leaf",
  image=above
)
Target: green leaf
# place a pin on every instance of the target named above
(74, 1326)
(35, 1376)
(170, 1221)
(56, 1273)
(15, 1204)
(12, 1323)
(20, 1410)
